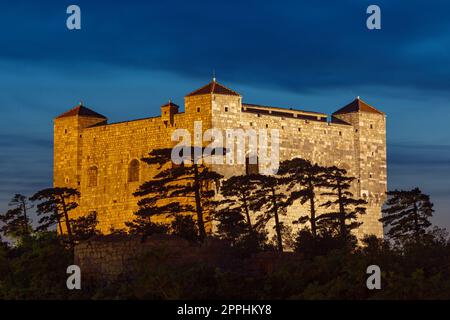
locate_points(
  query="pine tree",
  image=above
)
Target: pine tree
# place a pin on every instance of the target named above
(303, 179)
(17, 224)
(272, 201)
(165, 194)
(234, 214)
(85, 227)
(237, 192)
(345, 208)
(54, 207)
(407, 214)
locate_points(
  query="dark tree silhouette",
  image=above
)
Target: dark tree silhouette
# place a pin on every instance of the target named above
(302, 179)
(271, 201)
(238, 193)
(234, 214)
(54, 207)
(185, 227)
(165, 195)
(407, 214)
(144, 227)
(84, 227)
(17, 224)
(345, 208)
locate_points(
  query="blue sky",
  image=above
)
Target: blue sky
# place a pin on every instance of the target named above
(132, 56)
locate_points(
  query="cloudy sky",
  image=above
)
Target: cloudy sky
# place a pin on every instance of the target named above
(131, 57)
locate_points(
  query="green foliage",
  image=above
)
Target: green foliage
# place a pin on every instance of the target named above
(36, 269)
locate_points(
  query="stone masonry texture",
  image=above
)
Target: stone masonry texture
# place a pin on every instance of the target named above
(94, 156)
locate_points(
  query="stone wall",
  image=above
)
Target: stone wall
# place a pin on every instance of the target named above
(108, 258)
(357, 144)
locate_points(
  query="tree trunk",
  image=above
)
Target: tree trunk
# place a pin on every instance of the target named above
(416, 223)
(25, 222)
(313, 210)
(277, 222)
(66, 217)
(198, 205)
(342, 227)
(247, 213)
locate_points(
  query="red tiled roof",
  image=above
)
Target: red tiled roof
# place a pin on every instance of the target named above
(170, 104)
(356, 106)
(82, 111)
(213, 87)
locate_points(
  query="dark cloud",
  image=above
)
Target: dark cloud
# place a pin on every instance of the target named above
(426, 155)
(12, 140)
(288, 47)
(297, 45)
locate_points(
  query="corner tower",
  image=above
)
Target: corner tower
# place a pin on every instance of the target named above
(369, 125)
(68, 140)
(209, 104)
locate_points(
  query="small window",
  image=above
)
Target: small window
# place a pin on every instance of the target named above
(259, 115)
(299, 129)
(133, 171)
(371, 126)
(251, 124)
(92, 177)
(267, 125)
(340, 133)
(282, 127)
(226, 109)
(65, 131)
(198, 109)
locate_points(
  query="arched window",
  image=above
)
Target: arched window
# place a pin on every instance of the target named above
(92, 176)
(133, 171)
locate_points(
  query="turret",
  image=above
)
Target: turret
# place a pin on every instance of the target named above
(369, 125)
(68, 140)
(167, 112)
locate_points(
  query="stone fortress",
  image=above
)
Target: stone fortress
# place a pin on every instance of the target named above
(103, 161)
